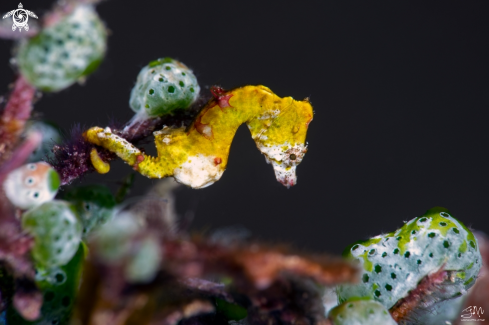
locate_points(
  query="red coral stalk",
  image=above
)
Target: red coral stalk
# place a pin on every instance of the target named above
(14, 116)
(419, 297)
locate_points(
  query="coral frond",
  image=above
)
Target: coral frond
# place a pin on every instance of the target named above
(14, 116)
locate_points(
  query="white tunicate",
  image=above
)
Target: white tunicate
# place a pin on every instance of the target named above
(162, 87)
(31, 185)
(56, 230)
(63, 53)
(395, 263)
(361, 312)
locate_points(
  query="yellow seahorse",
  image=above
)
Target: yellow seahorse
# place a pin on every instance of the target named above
(197, 156)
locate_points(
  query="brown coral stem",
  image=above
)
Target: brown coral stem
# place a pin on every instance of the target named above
(20, 155)
(417, 297)
(13, 118)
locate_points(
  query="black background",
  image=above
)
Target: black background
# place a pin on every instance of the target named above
(399, 88)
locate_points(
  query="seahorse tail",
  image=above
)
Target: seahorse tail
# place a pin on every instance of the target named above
(114, 143)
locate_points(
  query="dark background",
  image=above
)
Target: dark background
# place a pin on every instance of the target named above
(399, 88)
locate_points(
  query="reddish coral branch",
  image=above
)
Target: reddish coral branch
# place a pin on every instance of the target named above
(275, 285)
(421, 296)
(14, 116)
(20, 155)
(260, 265)
(14, 246)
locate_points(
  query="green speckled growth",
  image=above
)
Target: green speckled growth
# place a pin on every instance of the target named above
(56, 231)
(162, 87)
(94, 205)
(360, 312)
(64, 52)
(395, 262)
(59, 291)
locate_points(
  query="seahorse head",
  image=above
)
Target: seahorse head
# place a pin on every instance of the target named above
(282, 138)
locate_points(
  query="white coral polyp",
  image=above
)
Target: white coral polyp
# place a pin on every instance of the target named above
(29, 185)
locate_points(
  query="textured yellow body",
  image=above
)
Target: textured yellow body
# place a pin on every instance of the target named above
(198, 156)
(100, 166)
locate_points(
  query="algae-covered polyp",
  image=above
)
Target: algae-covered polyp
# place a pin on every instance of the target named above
(419, 248)
(56, 230)
(63, 53)
(162, 87)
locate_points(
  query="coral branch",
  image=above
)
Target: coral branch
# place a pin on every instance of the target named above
(172, 316)
(14, 116)
(15, 246)
(20, 155)
(420, 297)
(275, 285)
(260, 265)
(215, 289)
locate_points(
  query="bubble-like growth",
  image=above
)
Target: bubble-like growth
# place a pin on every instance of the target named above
(360, 312)
(63, 53)
(162, 87)
(144, 261)
(112, 240)
(50, 136)
(57, 233)
(394, 263)
(59, 291)
(94, 205)
(31, 185)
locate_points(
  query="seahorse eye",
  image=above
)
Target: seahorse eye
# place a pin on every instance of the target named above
(292, 157)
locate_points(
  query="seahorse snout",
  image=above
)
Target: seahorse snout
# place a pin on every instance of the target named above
(284, 158)
(285, 174)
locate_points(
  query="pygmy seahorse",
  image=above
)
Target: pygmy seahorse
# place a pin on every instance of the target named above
(197, 156)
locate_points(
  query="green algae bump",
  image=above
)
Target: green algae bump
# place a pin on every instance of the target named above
(64, 52)
(56, 231)
(395, 262)
(360, 312)
(162, 87)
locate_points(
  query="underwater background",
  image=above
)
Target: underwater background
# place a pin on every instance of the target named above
(400, 92)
